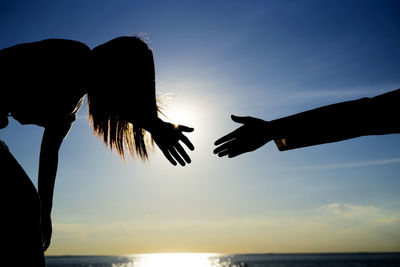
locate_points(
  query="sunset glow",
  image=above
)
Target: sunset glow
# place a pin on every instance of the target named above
(265, 59)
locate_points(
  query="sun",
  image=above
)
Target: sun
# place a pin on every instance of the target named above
(181, 114)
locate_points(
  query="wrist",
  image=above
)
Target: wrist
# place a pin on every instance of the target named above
(46, 204)
(278, 134)
(46, 210)
(272, 127)
(152, 125)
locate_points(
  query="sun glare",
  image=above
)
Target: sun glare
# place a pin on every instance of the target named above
(192, 111)
(174, 260)
(188, 114)
(184, 115)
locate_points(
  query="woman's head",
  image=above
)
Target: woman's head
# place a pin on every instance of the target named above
(121, 94)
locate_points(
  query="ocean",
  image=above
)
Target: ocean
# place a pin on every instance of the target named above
(224, 260)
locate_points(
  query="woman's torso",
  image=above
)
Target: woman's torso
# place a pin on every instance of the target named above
(44, 82)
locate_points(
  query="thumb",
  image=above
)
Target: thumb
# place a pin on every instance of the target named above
(239, 119)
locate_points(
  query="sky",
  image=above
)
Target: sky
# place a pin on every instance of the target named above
(266, 59)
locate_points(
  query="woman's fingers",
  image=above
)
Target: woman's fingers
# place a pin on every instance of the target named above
(186, 141)
(176, 156)
(183, 153)
(168, 156)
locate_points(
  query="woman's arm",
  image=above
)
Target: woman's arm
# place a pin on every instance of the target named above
(48, 162)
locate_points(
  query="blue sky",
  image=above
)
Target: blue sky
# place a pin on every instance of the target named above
(266, 59)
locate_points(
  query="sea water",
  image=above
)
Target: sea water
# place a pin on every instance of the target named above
(221, 260)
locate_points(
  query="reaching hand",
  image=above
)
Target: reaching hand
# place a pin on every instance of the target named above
(167, 137)
(253, 134)
(47, 230)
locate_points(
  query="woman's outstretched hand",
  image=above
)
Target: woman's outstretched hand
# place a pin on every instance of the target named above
(253, 134)
(167, 136)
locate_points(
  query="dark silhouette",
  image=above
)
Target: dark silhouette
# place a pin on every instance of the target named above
(43, 83)
(332, 123)
(20, 215)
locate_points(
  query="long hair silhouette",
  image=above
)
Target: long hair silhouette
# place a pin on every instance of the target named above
(121, 94)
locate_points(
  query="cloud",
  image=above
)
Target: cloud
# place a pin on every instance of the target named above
(346, 216)
(68, 228)
(348, 211)
(388, 221)
(356, 164)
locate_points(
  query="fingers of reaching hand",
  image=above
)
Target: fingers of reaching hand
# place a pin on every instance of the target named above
(227, 137)
(231, 152)
(223, 153)
(232, 148)
(235, 152)
(227, 148)
(223, 147)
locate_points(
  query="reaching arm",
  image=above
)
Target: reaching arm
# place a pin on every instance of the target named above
(337, 122)
(48, 162)
(366, 116)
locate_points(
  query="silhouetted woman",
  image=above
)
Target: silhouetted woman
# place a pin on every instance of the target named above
(332, 123)
(43, 83)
